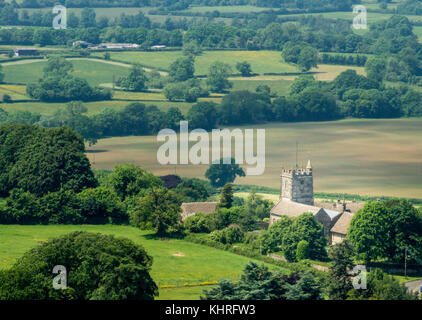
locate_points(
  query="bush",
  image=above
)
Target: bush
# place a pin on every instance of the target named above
(302, 250)
(197, 223)
(230, 235)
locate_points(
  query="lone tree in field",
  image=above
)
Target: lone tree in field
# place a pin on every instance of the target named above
(98, 267)
(218, 77)
(219, 174)
(244, 68)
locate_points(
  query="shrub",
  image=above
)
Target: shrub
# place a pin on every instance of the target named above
(302, 250)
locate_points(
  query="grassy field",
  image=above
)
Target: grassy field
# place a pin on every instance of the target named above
(94, 71)
(367, 157)
(261, 61)
(176, 262)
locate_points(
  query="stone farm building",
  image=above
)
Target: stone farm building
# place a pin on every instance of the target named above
(192, 208)
(297, 197)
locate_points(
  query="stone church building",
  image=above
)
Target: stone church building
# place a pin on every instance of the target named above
(297, 197)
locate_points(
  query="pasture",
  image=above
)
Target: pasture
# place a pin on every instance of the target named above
(367, 157)
(177, 263)
(261, 61)
(93, 70)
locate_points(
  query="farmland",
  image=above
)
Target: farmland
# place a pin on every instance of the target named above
(176, 262)
(368, 157)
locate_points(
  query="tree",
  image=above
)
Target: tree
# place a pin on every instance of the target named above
(129, 180)
(302, 250)
(160, 210)
(339, 278)
(308, 58)
(218, 75)
(244, 68)
(136, 80)
(226, 199)
(369, 231)
(88, 18)
(182, 69)
(257, 282)
(219, 173)
(99, 267)
(58, 66)
(47, 160)
(382, 286)
(203, 115)
(375, 68)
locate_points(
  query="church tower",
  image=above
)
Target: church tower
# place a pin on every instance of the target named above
(298, 185)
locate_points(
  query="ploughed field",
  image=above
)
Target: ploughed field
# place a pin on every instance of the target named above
(367, 157)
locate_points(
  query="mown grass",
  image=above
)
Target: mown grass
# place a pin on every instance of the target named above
(95, 72)
(176, 262)
(366, 157)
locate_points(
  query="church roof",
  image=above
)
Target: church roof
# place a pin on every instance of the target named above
(343, 223)
(293, 209)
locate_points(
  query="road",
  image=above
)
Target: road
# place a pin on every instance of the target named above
(414, 285)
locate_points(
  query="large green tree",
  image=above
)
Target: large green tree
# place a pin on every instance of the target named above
(159, 210)
(42, 160)
(219, 173)
(218, 77)
(98, 267)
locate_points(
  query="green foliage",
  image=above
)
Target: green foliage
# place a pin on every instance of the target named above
(383, 230)
(339, 277)
(303, 55)
(101, 205)
(302, 250)
(159, 209)
(375, 68)
(99, 267)
(136, 80)
(220, 174)
(244, 68)
(41, 160)
(203, 115)
(242, 107)
(258, 283)
(286, 233)
(218, 75)
(192, 190)
(258, 207)
(381, 286)
(229, 235)
(130, 180)
(226, 199)
(58, 85)
(182, 69)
